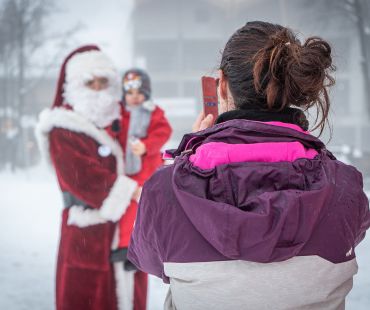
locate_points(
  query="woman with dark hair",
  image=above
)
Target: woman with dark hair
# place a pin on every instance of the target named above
(255, 212)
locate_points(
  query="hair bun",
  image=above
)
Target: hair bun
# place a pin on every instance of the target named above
(267, 66)
(320, 48)
(289, 73)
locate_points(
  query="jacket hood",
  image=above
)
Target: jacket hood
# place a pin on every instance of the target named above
(261, 210)
(245, 131)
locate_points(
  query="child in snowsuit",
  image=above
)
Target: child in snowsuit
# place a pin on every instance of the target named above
(144, 131)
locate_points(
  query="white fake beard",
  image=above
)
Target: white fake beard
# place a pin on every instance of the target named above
(100, 107)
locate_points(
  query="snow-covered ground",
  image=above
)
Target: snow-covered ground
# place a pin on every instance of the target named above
(30, 208)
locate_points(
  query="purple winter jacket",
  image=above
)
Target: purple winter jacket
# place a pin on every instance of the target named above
(253, 211)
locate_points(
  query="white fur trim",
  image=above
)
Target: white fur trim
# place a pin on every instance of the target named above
(83, 66)
(124, 287)
(42, 138)
(119, 198)
(149, 105)
(113, 207)
(70, 120)
(81, 217)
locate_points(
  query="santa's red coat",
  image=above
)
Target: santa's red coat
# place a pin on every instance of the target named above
(85, 276)
(159, 132)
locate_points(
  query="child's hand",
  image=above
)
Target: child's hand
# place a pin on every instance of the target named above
(138, 148)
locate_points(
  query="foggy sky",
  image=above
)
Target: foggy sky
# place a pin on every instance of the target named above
(105, 23)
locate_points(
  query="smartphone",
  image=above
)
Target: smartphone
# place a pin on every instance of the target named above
(210, 99)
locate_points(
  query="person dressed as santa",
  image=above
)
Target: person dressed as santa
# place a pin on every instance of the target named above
(79, 135)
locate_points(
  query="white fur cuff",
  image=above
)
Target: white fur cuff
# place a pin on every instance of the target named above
(81, 217)
(119, 198)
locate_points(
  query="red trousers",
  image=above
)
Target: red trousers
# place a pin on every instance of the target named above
(140, 290)
(85, 277)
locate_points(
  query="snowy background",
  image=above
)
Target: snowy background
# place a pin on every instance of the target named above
(177, 42)
(30, 217)
(30, 213)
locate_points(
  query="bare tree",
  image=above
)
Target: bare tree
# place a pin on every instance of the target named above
(357, 13)
(360, 10)
(23, 35)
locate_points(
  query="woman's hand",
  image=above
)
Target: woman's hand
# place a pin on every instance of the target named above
(202, 122)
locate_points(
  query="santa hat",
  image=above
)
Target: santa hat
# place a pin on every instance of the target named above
(81, 65)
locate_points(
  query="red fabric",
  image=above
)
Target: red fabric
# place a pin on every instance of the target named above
(140, 290)
(126, 225)
(159, 132)
(80, 170)
(58, 99)
(85, 277)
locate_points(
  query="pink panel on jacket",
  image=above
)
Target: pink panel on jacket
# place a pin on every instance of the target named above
(167, 155)
(213, 154)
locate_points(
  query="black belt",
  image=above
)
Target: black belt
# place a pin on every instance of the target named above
(69, 200)
(120, 255)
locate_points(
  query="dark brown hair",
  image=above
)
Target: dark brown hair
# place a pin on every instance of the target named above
(268, 68)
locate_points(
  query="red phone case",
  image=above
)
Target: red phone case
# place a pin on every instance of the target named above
(210, 99)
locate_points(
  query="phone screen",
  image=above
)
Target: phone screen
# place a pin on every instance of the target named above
(210, 99)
